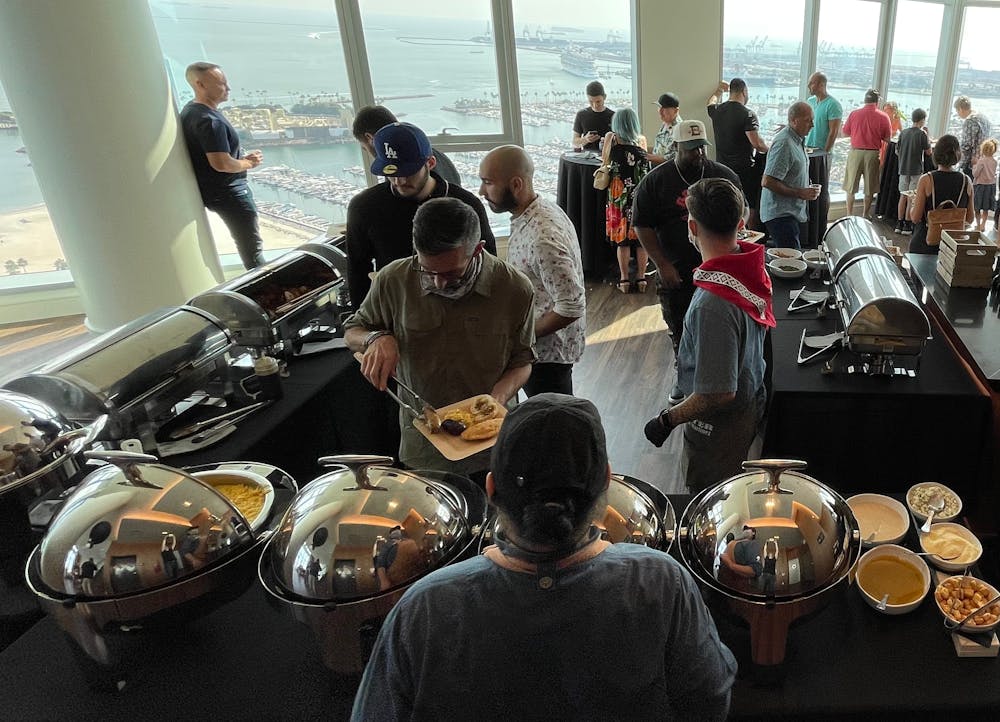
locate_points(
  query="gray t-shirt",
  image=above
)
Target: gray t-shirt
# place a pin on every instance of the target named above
(623, 635)
(722, 351)
(912, 144)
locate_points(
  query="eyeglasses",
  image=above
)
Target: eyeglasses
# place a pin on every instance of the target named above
(446, 276)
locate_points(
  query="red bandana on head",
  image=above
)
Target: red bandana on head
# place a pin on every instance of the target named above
(741, 279)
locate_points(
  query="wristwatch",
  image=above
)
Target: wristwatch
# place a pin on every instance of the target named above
(370, 338)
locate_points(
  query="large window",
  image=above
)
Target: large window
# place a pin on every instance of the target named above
(762, 43)
(978, 73)
(914, 56)
(290, 97)
(28, 243)
(848, 37)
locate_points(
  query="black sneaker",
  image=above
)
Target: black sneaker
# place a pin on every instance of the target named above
(899, 228)
(908, 228)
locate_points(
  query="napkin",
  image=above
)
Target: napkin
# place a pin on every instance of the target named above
(823, 341)
(808, 296)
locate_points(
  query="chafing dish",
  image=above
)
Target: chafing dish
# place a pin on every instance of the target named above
(805, 541)
(138, 546)
(634, 512)
(272, 306)
(882, 320)
(849, 239)
(135, 374)
(355, 538)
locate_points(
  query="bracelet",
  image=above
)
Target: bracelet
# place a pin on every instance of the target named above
(371, 337)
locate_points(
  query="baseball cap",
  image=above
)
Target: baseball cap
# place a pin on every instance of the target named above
(668, 100)
(551, 442)
(401, 149)
(690, 134)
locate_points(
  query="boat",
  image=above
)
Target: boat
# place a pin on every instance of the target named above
(576, 62)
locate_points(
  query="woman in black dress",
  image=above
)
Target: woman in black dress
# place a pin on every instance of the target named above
(943, 184)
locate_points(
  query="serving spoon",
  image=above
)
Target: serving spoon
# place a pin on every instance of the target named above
(934, 505)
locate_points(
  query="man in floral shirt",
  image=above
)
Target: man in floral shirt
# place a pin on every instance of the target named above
(544, 247)
(663, 146)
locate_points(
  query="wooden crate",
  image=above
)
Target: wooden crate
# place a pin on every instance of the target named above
(965, 277)
(968, 248)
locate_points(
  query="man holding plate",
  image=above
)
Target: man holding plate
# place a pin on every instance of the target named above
(450, 321)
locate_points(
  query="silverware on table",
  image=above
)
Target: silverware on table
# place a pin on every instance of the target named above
(212, 430)
(199, 425)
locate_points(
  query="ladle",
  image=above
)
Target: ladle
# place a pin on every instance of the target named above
(934, 505)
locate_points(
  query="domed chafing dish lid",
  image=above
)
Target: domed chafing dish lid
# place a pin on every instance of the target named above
(131, 526)
(636, 512)
(804, 526)
(35, 439)
(361, 529)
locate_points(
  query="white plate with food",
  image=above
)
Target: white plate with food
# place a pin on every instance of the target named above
(783, 253)
(467, 427)
(250, 493)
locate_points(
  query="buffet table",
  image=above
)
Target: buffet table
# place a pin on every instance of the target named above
(872, 433)
(247, 660)
(584, 204)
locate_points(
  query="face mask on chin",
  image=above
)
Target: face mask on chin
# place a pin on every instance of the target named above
(455, 289)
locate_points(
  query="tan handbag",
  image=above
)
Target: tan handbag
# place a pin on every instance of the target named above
(945, 216)
(602, 176)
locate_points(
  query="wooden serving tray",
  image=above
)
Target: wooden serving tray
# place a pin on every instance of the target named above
(455, 448)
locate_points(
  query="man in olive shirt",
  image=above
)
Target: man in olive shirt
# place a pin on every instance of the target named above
(451, 322)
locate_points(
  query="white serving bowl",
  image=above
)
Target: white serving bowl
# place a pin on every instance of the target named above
(881, 516)
(969, 626)
(918, 491)
(787, 267)
(215, 477)
(962, 540)
(773, 253)
(814, 258)
(898, 552)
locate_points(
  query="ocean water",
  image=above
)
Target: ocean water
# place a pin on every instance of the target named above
(276, 55)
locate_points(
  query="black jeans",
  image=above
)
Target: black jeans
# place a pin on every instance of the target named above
(674, 304)
(239, 213)
(550, 377)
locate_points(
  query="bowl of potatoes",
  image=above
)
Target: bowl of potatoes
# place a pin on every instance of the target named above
(957, 597)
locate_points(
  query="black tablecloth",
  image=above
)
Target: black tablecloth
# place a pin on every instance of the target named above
(584, 204)
(819, 209)
(862, 433)
(248, 660)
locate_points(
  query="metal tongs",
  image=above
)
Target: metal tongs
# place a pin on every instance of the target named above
(428, 414)
(794, 304)
(232, 416)
(836, 340)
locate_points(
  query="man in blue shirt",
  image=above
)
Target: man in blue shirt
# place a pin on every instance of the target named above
(784, 200)
(827, 113)
(220, 167)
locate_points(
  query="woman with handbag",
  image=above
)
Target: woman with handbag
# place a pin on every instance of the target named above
(943, 198)
(625, 159)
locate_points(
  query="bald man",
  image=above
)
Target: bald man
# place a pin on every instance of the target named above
(784, 202)
(544, 247)
(220, 167)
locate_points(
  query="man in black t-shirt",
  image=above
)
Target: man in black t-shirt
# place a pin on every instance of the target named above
(380, 218)
(660, 215)
(738, 140)
(592, 123)
(219, 166)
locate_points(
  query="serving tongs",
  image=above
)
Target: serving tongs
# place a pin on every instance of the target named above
(955, 624)
(233, 416)
(835, 340)
(428, 414)
(806, 299)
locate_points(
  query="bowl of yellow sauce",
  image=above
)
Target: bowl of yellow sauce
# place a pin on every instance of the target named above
(896, 571)
(948, 539)
(881, 519)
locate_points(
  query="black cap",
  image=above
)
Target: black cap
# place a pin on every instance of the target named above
(551, 442)
(669, 100)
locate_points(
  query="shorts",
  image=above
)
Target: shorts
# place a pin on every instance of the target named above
(984, 197)
(861, 162)
(908, 182)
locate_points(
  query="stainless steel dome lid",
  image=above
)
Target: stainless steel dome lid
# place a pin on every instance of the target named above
(806, 536)
(132, 526)
(637, 512)
(364, 528)
(35, 439)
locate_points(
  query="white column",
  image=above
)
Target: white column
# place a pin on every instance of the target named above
(87, 85)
